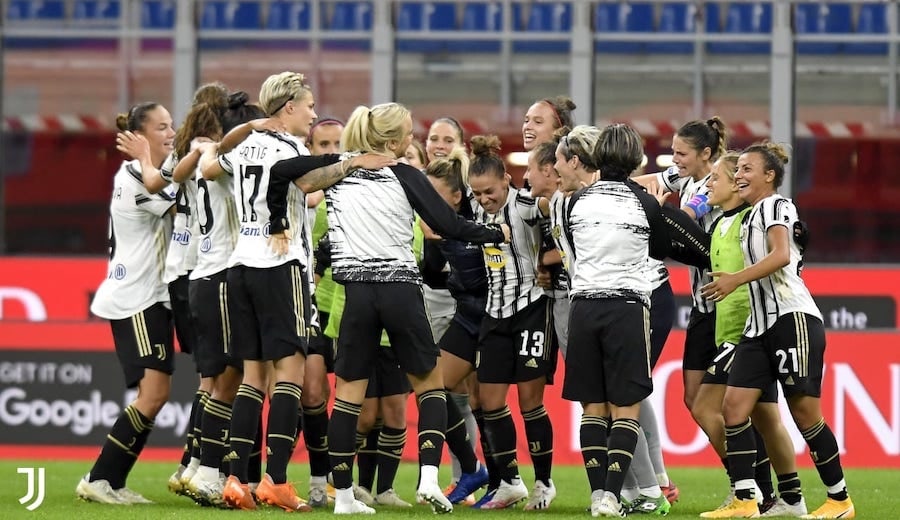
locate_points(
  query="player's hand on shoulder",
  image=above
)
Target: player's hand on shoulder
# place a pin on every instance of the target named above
(506, 232)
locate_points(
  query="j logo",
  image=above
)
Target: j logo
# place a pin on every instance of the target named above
(35, 479)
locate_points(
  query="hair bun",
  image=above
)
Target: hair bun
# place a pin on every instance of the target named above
(238, 99)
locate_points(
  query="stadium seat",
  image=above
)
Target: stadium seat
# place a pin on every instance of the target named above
(36, 10)
(746, 18)
(547, 17)
(289, 15)
(872, 20)
(615, 17)
(158, 14)
(229, 14)
(434, 16)
(350, 16)
(675, 18)
(479, 17)
(821, 18)
(97, 11)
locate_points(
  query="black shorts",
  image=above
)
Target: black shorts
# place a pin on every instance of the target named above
(505, 357)
(609, 352)
(791, 352)
(662, 317)
(144, 340)
(699, 341)
(720, 367)
(387, 377)
(185, 329)
(321, 345)
(270, 311)
(395, 307)
(459, 341)
(209, 309)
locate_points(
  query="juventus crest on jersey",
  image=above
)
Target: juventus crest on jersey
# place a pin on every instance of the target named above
(138, 241)
(250, 164)
(783, 291)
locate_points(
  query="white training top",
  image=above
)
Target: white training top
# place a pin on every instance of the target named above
(783, 291)
(138, 239)
(250, 163)
(688, 187)
(611, 237)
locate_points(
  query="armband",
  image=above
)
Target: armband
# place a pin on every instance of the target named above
(698, 205)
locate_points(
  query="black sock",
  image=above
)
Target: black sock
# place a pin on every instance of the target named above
(315, 433)
(593, 435)
(254, 466)
(197, 422)
(621, 442)
(823, 450)
(123, 445)
(740, 444)
(245, 417)
(214, 432)
(282, 430)
(432, 426)
(762, 468)
(391, 442)
(367, 455)
(539, 433)
(789, 488)
(501, 434)
(341, 442)
(489, 463)
(458, 438)
(189, 437)
(724, 461)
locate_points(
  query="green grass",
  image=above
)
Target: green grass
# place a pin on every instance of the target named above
(874, 493)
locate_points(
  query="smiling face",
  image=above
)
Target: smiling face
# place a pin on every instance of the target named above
(490, 191)
(689, 161)
(539, 125)
(543, 178)
(722, 189)
(160, 134)
(568, 174)
(753, 181)
(442, 138)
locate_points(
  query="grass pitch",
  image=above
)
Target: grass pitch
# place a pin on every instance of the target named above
(876, 494)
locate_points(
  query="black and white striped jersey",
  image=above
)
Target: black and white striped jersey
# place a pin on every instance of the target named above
(559, 231)
(138, 240)
(371, 215)
(511, 267)
(217, 225)
(610, 230)
(250, 164)
(783, 291)
(687, 187)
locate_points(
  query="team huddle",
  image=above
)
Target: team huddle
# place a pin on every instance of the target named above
(280, 247)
